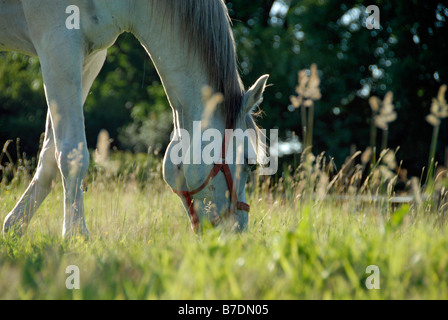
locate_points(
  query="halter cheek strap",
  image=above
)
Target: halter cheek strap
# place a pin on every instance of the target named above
(234, 203)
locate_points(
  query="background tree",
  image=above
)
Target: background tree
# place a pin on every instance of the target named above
(407, 56)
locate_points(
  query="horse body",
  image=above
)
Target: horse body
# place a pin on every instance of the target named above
(14, 35)
(71, 59)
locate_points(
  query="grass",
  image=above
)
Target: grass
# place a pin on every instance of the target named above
(142, 247)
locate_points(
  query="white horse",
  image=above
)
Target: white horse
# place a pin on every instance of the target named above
(191, 45)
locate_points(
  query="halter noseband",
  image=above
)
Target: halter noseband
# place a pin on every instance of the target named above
(218, 167)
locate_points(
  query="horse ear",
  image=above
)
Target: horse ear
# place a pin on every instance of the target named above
(254, 95)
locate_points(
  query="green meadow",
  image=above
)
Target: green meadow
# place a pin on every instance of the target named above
(299, 245)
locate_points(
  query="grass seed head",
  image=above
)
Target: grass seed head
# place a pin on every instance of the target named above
(439, 108)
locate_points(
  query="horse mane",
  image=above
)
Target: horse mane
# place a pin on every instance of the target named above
(205, 27)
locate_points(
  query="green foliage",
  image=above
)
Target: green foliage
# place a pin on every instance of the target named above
(151, 125)
(22, 101)
(128, 101)
(406, 57)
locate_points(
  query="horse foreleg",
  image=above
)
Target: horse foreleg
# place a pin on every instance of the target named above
(47, 169)
(62, 73)
(74, 164)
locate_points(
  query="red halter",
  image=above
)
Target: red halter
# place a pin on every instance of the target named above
(219, 167)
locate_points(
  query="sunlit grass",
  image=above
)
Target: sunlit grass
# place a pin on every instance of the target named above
(142, 247)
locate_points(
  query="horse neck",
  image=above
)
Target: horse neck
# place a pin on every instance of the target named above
(183, 75)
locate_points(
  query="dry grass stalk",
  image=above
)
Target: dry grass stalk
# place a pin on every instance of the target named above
(439, 108)
(101, 155)
(416, 190)
(439, 111)
(383, 113)
(308, 91)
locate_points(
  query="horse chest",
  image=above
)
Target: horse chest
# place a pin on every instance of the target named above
(100, 31)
